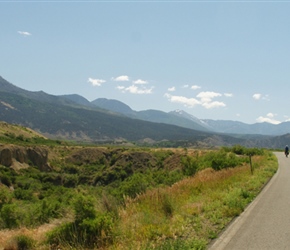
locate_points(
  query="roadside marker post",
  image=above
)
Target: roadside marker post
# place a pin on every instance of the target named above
(251, 166)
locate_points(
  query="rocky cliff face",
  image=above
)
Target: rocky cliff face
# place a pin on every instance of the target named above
(21, 157)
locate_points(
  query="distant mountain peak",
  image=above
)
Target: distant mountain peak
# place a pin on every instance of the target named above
(184, 114)
(179, 111)
(113, 105)
(77, 99)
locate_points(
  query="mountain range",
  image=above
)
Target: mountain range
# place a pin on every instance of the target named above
(183, 119)
(72, 117)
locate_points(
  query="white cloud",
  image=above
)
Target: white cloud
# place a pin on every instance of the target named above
(266, 97)
(271, 115)
(96, 82)
(205, 100)
(24, 33)
(121, 78)
(207, 96)
(121, 87)
(269, 118)
(261, 97)
(228, 94)
(215, 104)
(172, 89)
(194, 87)
(133, 89)
(257, 96)
(190, 102)
(286, 117)
(185, 86)
(139, 81)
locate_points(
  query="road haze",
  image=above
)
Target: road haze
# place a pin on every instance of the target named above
(265, 224)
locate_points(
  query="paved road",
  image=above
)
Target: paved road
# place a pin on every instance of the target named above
(265, 224)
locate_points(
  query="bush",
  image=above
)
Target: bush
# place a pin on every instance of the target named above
(84, 209)
(167, 178)
(135, 184)
(47, 210)
(9, 216)
(5, 196)
(221, 159)
(97, 232)
(21, 242)
(240, 150)
(88, 230)
(190, 165)
(5, 179)
(22, 194)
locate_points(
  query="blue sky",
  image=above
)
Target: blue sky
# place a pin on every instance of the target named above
(222, 60)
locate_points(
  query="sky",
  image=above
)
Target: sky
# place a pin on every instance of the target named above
(221, 60)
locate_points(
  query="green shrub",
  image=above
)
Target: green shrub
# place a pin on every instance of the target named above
(5, 196)
(5, 179)
(23, 181)
(114, 174)
(190, 165)
(221, 159)
(90, 229)
(22, 194)
(70, 180)
(23, 242)
(161, 155)
(98, 231)
(135, 184)
(71, 169)
(167, 178)
(84, 209)
(47, 210)
(255, 151)
(9, 216)
(65, 234)
(240, 150)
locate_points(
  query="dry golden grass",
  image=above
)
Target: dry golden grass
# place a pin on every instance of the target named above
(37, 234)
(6, 128)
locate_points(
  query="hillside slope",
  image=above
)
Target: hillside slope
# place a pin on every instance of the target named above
(62, 118)
(72, 117)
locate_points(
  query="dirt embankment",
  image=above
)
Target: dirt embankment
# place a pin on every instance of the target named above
(18, 157)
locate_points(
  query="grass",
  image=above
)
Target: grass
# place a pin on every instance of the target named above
(185, 215)
(192, 211)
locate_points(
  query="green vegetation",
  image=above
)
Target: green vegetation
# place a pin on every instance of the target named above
(128, 198)
(21, 242)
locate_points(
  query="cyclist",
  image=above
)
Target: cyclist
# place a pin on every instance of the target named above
(286, 151)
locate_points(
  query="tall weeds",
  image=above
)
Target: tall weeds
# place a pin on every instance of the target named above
(193, 210)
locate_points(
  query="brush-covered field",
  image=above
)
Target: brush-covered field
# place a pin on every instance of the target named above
(91, 197)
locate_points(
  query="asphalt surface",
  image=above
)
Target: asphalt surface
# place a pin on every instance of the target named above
(265, 224)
